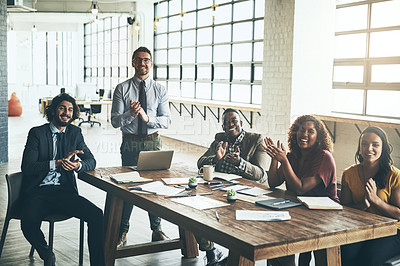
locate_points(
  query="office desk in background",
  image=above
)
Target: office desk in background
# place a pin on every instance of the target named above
(108, 103)
(47, 100)
(247, 241)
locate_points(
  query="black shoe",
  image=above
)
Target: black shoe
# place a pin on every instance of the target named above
(213, 257)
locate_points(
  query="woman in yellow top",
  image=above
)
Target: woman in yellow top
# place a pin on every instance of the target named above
(372, 185)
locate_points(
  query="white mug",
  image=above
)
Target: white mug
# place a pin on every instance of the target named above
(208, 172)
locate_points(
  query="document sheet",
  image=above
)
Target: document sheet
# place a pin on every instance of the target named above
(200, 202)
(268, 216)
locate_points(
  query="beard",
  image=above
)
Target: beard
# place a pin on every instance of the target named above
(62, 123)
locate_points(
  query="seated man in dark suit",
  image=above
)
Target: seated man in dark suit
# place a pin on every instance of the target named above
(49, 166)
(233, 151)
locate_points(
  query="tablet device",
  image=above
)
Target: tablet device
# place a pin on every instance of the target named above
(278, 203)
(154, 160)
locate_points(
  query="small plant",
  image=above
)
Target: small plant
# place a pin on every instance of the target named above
(231, 195)
(231, 192)
(193, 180)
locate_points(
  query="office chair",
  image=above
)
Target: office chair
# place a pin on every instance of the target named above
(14, 182)
(94, 109)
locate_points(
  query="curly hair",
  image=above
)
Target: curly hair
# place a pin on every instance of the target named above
(51, 109)
(324, 141)
(385, 161)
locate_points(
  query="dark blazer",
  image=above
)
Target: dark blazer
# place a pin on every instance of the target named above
(250, 150)
(39, 151)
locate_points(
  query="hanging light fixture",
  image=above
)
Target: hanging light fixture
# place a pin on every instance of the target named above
(213, 11)
(95, 11)
(156, 22)
(181, 15)
(137, 26)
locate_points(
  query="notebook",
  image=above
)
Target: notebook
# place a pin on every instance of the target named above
(278, 203)
(154, 160)
(320, 203)
(128, 178)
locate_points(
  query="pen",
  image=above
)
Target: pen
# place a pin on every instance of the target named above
(218, 185)
(140, 189)
(212, 183)
(217, 188)
(217, 216)
(280, 202)
(183, 194)
(202, 194)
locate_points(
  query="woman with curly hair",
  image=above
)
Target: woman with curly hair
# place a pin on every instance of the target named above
(373, 185)
(308, 169)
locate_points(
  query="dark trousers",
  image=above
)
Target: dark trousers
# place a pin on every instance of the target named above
(371, 252)
(51, 200)
(130, 150)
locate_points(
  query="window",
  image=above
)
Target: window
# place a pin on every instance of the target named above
(51, 56)
(202, 56)
(366, 74)
(106, 52)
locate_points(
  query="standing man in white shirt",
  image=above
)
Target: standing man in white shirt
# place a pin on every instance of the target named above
(140, 108)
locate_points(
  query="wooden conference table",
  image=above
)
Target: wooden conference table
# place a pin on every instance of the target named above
(247, 241)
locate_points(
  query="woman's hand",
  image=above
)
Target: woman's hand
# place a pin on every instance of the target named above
(366, 202)
(371, 189)
(276, 152)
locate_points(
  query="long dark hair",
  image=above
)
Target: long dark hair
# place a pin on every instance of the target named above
(51, 109)
(385, 161)
(324, 141)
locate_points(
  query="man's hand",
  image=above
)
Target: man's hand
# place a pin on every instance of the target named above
(68, 165)
(234, 157)
(137, 110)
(134, 108)
(143, 115)
(221, 150)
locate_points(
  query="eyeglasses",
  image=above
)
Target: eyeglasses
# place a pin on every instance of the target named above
(140, 60)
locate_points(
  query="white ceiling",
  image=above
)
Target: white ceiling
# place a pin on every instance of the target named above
(66, 11)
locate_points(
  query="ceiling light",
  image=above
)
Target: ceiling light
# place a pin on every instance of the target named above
(213, 11)
(137, 26)
(95, 11)
(181, 15)
(156, 22)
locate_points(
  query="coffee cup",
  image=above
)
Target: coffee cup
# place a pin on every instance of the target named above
(207, 171)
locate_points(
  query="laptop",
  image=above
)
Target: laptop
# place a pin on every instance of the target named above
(154, 160)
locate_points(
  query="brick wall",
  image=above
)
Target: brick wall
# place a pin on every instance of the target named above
(3, 84)
(277, 75)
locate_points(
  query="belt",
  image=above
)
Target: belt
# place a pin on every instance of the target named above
(137, 137)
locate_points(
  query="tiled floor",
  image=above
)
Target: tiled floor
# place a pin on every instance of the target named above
(104, 142)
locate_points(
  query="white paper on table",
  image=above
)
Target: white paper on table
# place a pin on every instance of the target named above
(235, 187)
(225, 176)
(255, 191)
(180, 181)
(200, 202)
(269, 216)
(160, 189)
